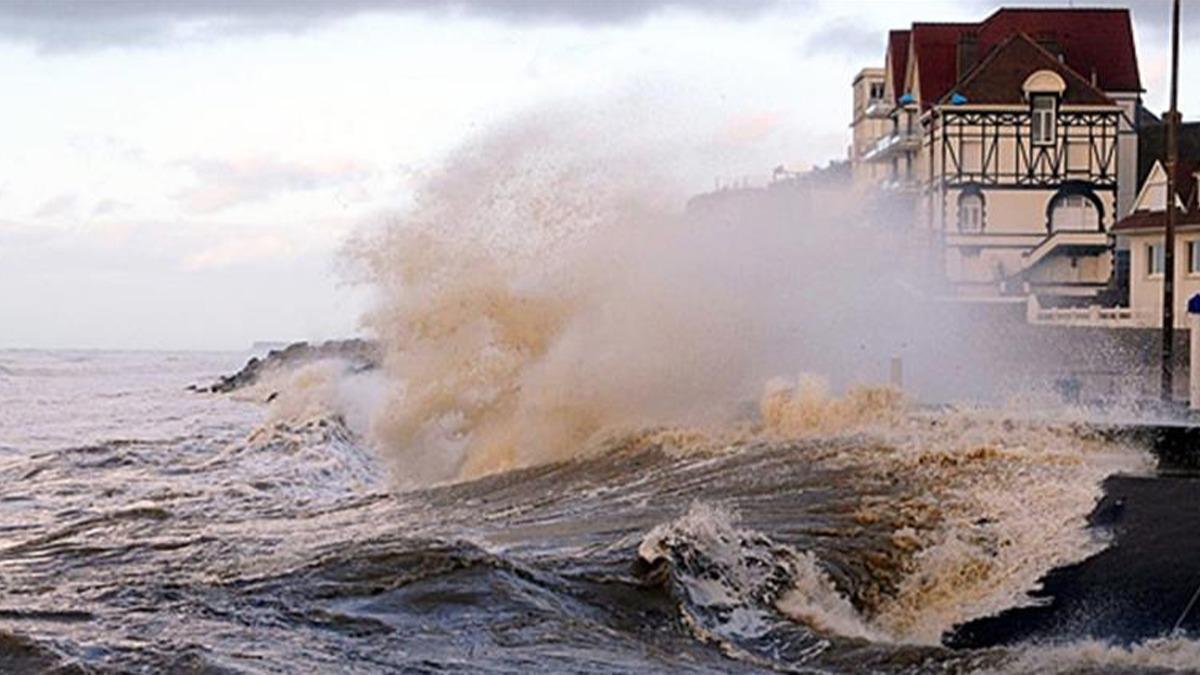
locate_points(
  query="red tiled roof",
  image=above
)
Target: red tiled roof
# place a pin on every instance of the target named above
(935, 46)
(898, 55)
(1001, 74)
(1099, 40)
(1153, 220)
(1089, 38)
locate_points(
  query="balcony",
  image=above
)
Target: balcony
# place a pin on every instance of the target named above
(900, 185)
(878, 108)
(892, 145)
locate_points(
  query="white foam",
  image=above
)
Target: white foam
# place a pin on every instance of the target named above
(745, 566)
(1175, 654)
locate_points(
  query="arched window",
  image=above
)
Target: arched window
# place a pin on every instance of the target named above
(970, 211)
(1074, 212)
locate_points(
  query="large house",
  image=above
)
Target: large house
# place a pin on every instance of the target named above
(1013, 144)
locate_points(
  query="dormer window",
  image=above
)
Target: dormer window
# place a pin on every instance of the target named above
(1042, 89)
(1043, 121)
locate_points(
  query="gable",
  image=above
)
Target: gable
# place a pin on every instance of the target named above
(1153, 195)
(1006, 74)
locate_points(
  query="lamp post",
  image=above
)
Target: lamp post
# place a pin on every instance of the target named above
(1168, 314)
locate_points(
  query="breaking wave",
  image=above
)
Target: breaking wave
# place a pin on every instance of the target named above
(976, 507)
(737, 586)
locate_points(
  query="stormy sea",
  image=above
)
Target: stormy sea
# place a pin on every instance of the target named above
(151, 529)
(590, 434)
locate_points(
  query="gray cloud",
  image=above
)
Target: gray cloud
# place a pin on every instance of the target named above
(1154, 15)
(600, 11)
(73, 25)
(848, 38)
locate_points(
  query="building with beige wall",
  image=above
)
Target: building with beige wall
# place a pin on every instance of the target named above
(1015, 138)
(1143, 231)
(869, 124)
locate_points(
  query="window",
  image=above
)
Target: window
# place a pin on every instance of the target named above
(876, 90)
(1155, 260)
(970, 212)
(1074, 212)
(1042, 122)
(1194, 257)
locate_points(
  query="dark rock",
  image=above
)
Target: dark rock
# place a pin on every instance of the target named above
(360, 354)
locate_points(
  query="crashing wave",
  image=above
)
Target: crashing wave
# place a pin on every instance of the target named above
(738, 588)
(978, 506)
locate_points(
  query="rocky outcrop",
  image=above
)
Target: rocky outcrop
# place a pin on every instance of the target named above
(360, 354)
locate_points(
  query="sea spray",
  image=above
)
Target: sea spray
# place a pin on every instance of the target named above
(805, 407)
(545, 290)
(320, 389)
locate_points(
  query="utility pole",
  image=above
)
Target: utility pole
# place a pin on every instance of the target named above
(1168, 325)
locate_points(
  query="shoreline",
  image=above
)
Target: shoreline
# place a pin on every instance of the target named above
(1137, 588)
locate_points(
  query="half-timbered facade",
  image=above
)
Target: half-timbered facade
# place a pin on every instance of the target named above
(1016, 135)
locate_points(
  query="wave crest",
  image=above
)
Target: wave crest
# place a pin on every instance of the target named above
(737, 584)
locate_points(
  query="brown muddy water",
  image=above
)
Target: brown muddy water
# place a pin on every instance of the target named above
(144, 528)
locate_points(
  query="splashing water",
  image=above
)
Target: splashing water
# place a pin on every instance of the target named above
(541, 293)
(731, 577)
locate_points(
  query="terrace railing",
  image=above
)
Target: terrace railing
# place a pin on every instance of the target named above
(1092, 316)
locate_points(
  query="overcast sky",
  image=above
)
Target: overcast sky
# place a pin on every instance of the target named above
(180, 174)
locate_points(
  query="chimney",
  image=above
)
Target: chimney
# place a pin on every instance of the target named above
(968, 51)
(1049, 41)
